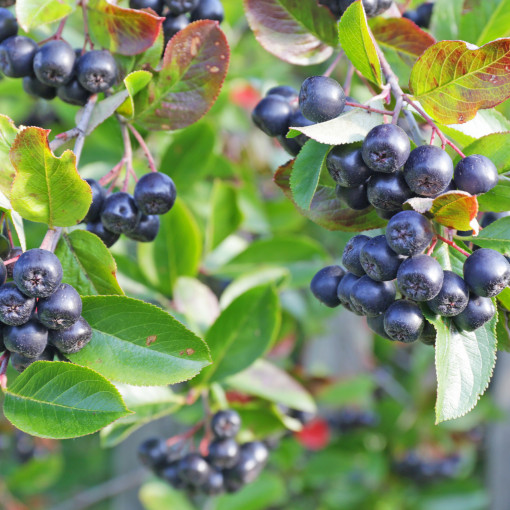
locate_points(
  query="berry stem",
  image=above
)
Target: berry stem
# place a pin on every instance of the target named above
(348, 79)
(51, 238)
(369, 108)
(432, 246)
(86, 27)
(64, 137)
(11, 261)
(112, 174)
(145, 148)
(454, 246)
(186, 435)
(4, 361)
(128, 154)
(57, 34)
(204, 444)
(333, 64)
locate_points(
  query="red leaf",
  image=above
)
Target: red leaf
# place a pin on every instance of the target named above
(456, 209)
(122, 31)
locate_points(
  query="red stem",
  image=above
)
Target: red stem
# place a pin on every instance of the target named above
(454, 246)
(57, 34)
(11, 261)
(86, 27)
(112, 174)
(145, 148)
(369, 108)
(432, 246)
(333, 64)
(186, 435)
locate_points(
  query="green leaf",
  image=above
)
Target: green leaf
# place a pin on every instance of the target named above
(503, 330)
(158, 495)
(46, 189)
(358, 44)
(497, 199)
(495, 236)
(33, 13)
(267, 381)
(8, 132)
(36, 475)
(452, 81)
(168, 257)
(136, 83)
(352, 126)
(327, 210)
(402, 42)
(309, 35)
(88, 264)
(446, 18)
(194, 67)
(120, 30)
(137, 343)
(498, 25)
(60, 400)
(15, 218)
(148, 403)
(495, 146)
(464, 364)
(242, 333)
(225, 216)
(306, 172)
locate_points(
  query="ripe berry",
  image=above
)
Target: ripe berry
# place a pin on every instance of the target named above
(33, 87)
(422, 15)
(54, 63)
(258, 450)
(214, 484)
(155, 193)
(73, 93)
(378, 260)
(487, 272)
(354, 198)
(155, 5)
(325, 283)
(72, 339)
(346, 166)
(476, 174)
(428, 170)
(478, 311)
(420, 278)
(386, 148)
(297, 119)
(272, 115)
(21, 363)
(248, 467)
(333, 6)
(371, 297)
(388, 191)
(29, 339)
(193, 469)
(289, 145)
(17, 56)
(170, 473)
(386, 215)
(403, 321)
(181, 6)
(225, 424)
(119, 213)
(376, 324)
(8, 24)
(153, 452)
(352, 250)
(37, 273)
(174, 24)
(428, 335)
(321, 98)
(96, 71)
(223, 453)
(286, 91)
(98, 196)
(208, 9)
(60, 310)
(146, 230)
(344, 289)
(108, 238)
(15, 307)
(453, 296)
(491, 217)
(408, 233)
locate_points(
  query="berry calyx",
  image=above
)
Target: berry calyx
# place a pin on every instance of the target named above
(452, 298)
(409, 233)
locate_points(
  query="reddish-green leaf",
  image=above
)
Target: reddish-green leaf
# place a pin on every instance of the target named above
(453, 80)
(301, 32)
(194, 67)
(358, 44)
(122, 31)
(46, 189)
(402, 42)
(326, 209)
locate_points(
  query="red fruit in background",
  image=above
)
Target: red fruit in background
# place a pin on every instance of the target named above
(315, 435)
(245, 96)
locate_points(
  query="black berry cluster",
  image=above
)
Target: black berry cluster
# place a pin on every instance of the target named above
(372, 7)
(320, 99)
(55, 68)
(349, 419)
(39, 315)
(136, 216)
(228, 467)
(418, 468)
(373, 265)
(180, 13)
(421, 15)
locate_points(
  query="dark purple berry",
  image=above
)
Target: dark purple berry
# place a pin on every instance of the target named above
(153, 452)
(223, 453)
(344, 289)
(15, 307)
(108, 238)
(403, 321)
(155, 5)
(289, 145)
(73, 93)
(420, 278)
(376, 324)
(8, 24)
(208, 9)
(155, 193)
(325, 283)
(214, 484)
(29, 339)
(478, 311)
(54, 63)
(346, 166)
(225, 424)
(476, 174)
(409, 233)
(120, 213)
(321, 98)
(146, 230)
(354, 198)
(170, 473)
(174, 24)
(60, 310)
(379, 261)
(371, 297)
(193, 469)
(96, 71)
(272, 115)
(72, 339)
(98, 196)
(21, 363)
(289, 93)
(452, 298)
(181, 6)
(386, 148)
(487, 272)
(17, 56)
(428, 335)
(33, 87)
(388, 191)
(352, 250)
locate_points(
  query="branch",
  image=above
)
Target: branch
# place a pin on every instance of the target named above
(145, 148)
(454, 246)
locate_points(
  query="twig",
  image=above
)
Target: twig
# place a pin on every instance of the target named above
(82, 126)
(57, 34)
(369, 108)
(348, 79)
(186, 435)
(86, 27)
(453, 245)
(333, 64)
(104, 491)
(112, 174)
(64, 137)
(128, 154)
(145, 148)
